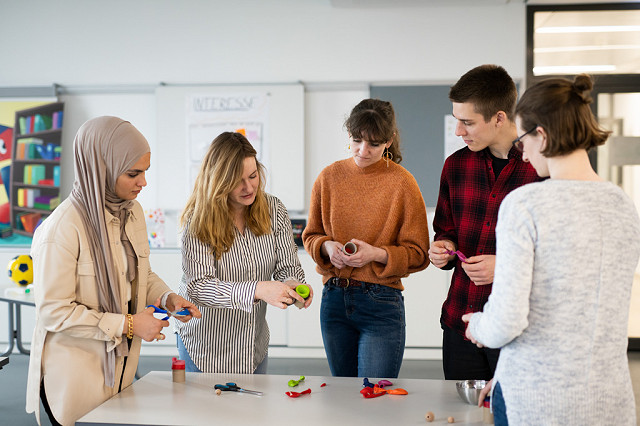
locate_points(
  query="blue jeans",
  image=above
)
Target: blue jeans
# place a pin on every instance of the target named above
(499, 407)
(190, 367)
(363, 329)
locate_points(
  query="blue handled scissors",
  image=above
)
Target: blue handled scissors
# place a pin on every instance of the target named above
(181, 313)
(232, 387)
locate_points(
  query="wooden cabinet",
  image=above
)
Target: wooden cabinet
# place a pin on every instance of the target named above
(35, 166)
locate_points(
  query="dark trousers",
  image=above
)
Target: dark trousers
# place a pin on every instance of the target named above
(47, 409)
(499, 407)
(463, 360)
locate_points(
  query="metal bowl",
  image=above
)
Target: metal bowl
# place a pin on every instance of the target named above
(469, 390)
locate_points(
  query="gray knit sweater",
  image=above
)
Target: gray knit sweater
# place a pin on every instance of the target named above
(566, 256)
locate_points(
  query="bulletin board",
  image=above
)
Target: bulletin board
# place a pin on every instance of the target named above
(280, 130)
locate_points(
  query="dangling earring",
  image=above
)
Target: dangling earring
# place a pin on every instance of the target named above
(388, 155)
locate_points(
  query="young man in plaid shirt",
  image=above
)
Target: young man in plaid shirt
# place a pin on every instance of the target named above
(474, 181)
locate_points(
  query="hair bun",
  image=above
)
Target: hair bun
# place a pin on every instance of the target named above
(582, 86)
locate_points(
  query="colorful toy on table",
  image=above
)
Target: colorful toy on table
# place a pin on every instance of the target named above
(304, 292)
(20, 270)
(373, 392)
(233, 387)
(292, 394)
(458, 253)
(487, 415)
(293, 383)
(370, 390)
(182, 313)
(397, 391)
(366, 383)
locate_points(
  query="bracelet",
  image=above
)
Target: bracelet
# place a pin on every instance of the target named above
(130, 326)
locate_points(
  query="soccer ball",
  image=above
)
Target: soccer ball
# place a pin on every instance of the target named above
(20, 270)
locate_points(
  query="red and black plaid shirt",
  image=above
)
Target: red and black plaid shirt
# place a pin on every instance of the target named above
(467, 213)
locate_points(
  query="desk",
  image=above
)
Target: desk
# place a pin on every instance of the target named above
(15, 328)
(156, 399)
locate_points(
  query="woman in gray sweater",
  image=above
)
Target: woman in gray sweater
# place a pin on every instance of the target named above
(567, 249)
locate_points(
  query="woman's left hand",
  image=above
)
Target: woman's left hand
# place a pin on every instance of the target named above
(366, 254)
(467, 333)
(178, 303)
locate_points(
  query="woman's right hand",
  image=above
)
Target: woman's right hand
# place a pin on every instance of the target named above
(278, 294)
(333, 250)
(148, 327)
(484, 392)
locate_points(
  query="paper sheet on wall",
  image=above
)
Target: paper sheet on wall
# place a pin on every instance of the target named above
(155, 227)
(452, 143)
(208, 115)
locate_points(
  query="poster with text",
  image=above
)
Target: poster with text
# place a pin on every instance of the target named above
(209, 115)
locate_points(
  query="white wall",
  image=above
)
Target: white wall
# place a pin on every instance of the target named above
(78, 42)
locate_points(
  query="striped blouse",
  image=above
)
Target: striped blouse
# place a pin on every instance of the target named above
(232, 336)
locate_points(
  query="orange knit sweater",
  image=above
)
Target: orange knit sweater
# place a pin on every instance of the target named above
(380, 205)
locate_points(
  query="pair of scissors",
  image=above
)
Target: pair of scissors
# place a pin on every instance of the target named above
(181, 313)
(232, 387)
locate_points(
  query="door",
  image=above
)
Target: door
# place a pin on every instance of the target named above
(619, 161)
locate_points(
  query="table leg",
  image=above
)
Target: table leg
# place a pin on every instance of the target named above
(10, 336)
(18, 332)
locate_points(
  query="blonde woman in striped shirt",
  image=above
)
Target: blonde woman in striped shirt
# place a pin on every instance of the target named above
(238, 254)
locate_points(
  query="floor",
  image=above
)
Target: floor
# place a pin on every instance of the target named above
(13, 379)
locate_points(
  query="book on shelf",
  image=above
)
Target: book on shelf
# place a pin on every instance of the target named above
(56, 122)
(33, 173)
(46, 202)
(27, 197)
(27, 148)
(56, 176)
(29, 221)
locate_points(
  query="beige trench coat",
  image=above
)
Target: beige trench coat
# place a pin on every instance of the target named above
(68, 346)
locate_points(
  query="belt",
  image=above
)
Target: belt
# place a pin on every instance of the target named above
(346, 282)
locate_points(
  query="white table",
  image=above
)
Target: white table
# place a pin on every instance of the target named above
(157, 400)
(14, 302)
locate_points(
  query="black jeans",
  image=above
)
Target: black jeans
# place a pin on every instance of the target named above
(462, 360)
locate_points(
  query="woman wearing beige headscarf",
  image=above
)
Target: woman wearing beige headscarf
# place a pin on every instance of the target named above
(93, 280)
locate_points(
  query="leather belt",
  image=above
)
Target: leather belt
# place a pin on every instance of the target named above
(347, 282)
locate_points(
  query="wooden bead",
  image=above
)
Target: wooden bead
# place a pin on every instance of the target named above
(450, 419)
(429, 416)
(218, 392)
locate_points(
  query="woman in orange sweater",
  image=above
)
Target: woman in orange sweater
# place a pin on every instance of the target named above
(376, 204)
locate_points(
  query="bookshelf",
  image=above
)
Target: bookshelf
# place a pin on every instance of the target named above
(35, 166)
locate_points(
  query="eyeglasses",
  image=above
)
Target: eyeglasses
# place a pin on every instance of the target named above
(517, 142)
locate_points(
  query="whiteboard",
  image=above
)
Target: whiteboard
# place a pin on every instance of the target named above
(285, 133)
